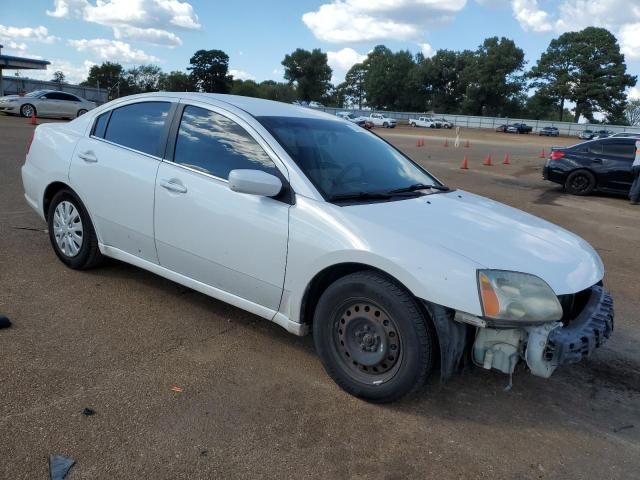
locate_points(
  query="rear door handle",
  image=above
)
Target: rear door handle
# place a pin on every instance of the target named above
(173, 185)
(596, 160)
(88, 156)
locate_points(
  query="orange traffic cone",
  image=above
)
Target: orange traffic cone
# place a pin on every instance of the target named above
(506, 159)
(422, 142)
(487, 161)
(465, 163)
(446, 142)
(466, 144)
(418, 143)
(34, 120)
(542, 154)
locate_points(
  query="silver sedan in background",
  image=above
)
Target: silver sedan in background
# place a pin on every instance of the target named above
(46, 103)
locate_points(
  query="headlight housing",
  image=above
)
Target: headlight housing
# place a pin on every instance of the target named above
(516, 297)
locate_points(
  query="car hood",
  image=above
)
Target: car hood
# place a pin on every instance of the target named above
(493, 235)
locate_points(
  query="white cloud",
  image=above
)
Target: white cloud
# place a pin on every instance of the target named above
(74, 73)
(241, 74)
(36, 34)
(344, 59)
(530, 16)
(427, 50)
(369, 20)
(149, 35)
(633, 93)
(145, 20)
(112, 50)
(629, 37)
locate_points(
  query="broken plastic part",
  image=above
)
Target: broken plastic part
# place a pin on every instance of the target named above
(59, 466)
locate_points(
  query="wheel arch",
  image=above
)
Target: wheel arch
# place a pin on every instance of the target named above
(50, 191)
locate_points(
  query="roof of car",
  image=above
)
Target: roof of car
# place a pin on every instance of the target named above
(256, 107)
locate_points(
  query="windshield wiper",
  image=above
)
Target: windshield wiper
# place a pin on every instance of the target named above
(419, 186)
(360, 196)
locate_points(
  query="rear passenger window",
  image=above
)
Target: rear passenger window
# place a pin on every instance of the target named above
(214, 144)
(595, 148)
(100, 125)
(139, 126)
(626, 150)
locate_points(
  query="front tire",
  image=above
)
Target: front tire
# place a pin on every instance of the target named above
(372, 337)
(71, 232)
(580, 182)
(27, 110)
(81, 112)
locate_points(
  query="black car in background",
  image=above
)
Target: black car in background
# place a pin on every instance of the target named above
(549, 132)
(598, 165)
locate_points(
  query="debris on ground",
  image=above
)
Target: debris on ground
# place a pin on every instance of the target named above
(177, 389)
(59, 466)
(623, 427)
(87, 412)
(4, 322)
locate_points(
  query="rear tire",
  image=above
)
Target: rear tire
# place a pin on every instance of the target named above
(385, 125)
(580, 182)
(372, 337)
(71, 232)
(81, 112)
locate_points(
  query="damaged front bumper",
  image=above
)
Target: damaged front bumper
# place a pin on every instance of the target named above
(546, 347)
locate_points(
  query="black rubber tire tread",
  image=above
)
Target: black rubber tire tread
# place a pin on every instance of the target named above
(588, 174)
(89, 255)
(421, 330)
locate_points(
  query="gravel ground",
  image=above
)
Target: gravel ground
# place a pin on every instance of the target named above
(255, 402)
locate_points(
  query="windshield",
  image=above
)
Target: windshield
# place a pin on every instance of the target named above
(35, 93)
(343, 159)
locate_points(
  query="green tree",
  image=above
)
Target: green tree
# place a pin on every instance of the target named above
(495, 82)
(588, 69)
(352, 89)
(143, 78)
(107, 75)
(58, 76)
(385, 82)
(279, 91)
(210, 71)
(175, 81)
(246, 88)
(309, 72)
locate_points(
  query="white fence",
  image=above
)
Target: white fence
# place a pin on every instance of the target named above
(469, 121)
(15, 85)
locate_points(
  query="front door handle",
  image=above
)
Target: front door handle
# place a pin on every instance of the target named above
(88, 156)
(173, 185)
(596, 160)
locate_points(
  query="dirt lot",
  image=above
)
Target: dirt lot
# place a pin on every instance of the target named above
(256, 402)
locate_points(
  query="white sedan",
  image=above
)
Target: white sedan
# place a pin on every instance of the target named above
(318, 225)
(46, 103)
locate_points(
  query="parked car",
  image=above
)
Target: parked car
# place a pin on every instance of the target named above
(523, 128)
(549, 132)
(314, 104)
(586, 134)
(353, 118)
(445, 123)
(298, 217)
(46, 103)
(426, 122)
(512, 129)
(502, 128)
(597, 165)
(381, 120)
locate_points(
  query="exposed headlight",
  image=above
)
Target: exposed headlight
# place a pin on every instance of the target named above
(515, 296)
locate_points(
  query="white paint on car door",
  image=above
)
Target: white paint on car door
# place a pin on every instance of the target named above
(231, 241)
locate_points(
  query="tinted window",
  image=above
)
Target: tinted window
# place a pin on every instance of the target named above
(68, 97)
(100, 125)
(139, 126)
(53, 96)
(626, 150)
(214, 144)
(341, 158)
(595, 148)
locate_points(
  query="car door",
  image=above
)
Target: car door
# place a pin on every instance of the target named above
(47, 104)
(69, 105)
(617, 156)
(114, 171)
(233, 242)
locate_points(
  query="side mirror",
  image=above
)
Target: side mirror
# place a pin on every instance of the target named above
(254, 182)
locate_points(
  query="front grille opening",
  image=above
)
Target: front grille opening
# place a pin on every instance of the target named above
(573, 304)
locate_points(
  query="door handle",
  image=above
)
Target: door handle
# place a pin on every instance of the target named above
(173, 185)
(596, 160)
(88, 156)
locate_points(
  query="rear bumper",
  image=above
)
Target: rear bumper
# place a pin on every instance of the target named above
(588, 331)
(553, 174)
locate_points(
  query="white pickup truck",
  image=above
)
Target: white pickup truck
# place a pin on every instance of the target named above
(427, 122)
(381, 120)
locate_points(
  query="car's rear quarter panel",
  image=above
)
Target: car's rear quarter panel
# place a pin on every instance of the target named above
(48, 161)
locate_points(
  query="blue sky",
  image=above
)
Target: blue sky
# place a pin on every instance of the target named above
(74, 34)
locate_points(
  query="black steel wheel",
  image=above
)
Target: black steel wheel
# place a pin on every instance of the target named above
(580, 182)
(372, 337)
